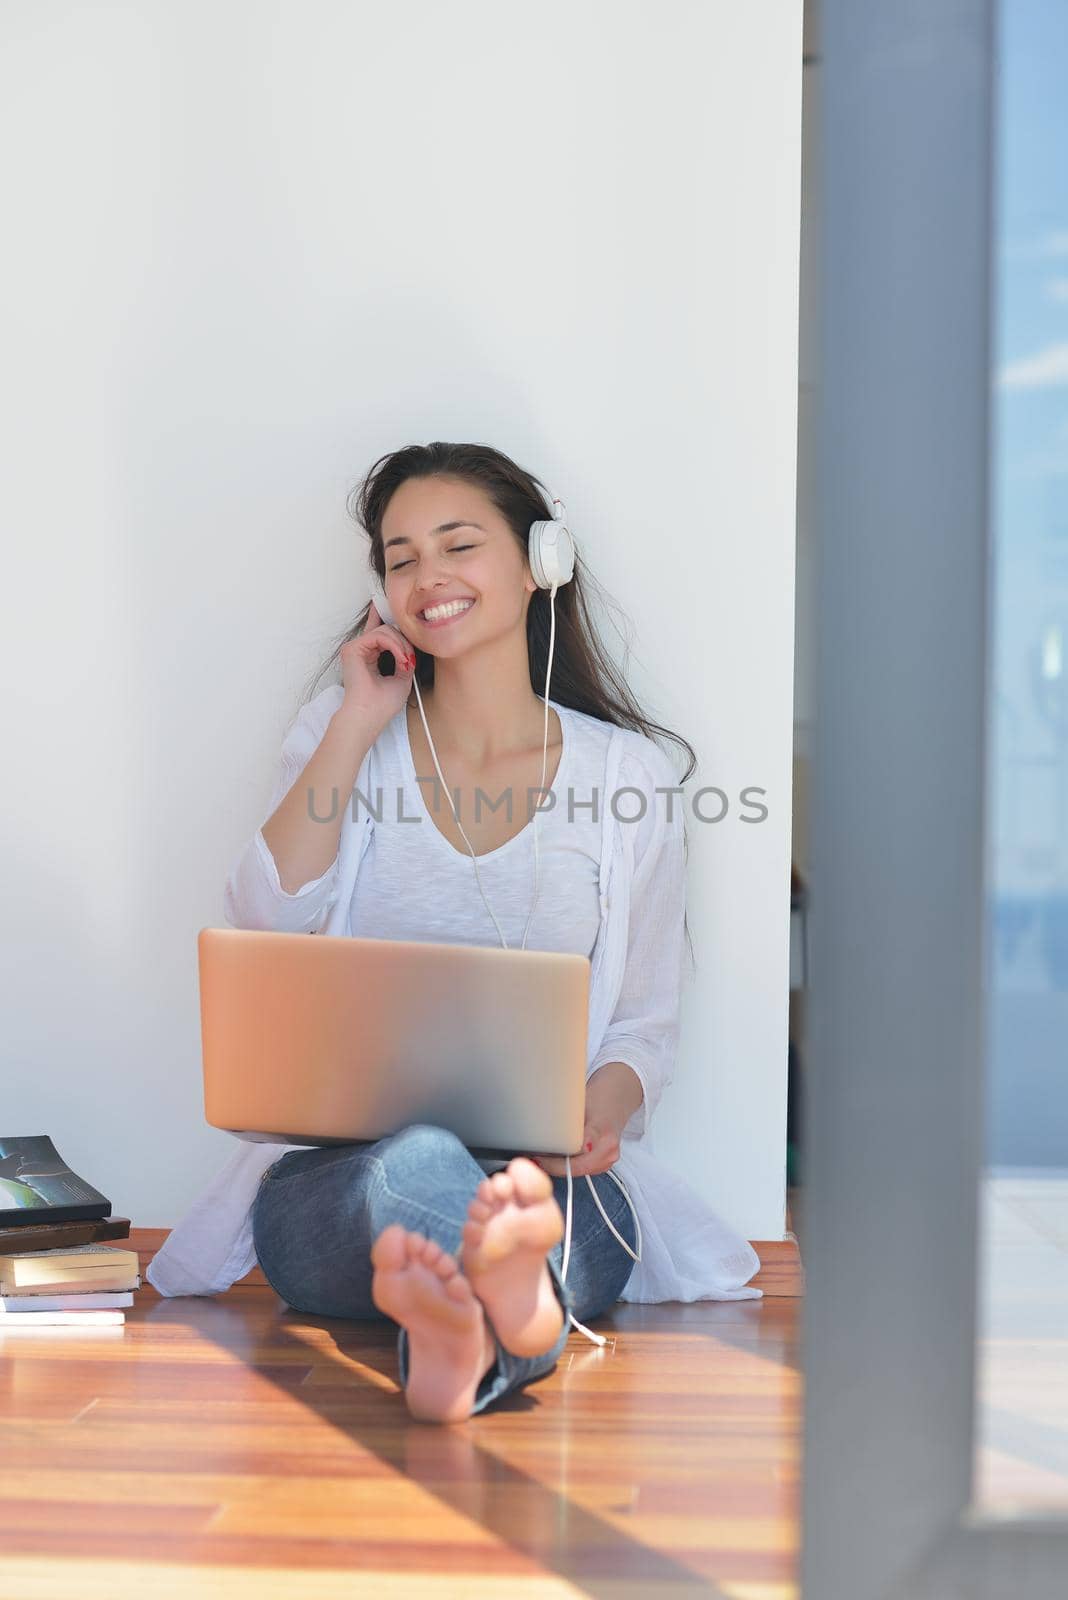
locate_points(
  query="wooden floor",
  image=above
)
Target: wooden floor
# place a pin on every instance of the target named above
(226, 1446)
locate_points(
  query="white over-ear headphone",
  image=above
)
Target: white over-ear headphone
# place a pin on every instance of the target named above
(551, 549)
(551, 552)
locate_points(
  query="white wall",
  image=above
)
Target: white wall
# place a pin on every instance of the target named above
(252, 248)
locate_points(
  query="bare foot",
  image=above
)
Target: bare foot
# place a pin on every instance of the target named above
(512, 1223)
(450, 1348)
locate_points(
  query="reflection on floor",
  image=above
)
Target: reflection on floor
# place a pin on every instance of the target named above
(1022, 1367)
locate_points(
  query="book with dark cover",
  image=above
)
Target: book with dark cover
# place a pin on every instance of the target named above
(37, 1186)
(60, 1235)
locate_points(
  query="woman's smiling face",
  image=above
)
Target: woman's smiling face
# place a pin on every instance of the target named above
(428, 562)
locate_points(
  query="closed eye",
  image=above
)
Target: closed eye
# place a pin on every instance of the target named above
(453, 551)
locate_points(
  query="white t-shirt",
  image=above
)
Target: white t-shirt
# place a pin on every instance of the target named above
(414, 884)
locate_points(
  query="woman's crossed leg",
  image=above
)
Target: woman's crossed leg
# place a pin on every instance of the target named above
(385, 1229)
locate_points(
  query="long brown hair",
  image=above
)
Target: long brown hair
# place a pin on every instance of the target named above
(584, 676)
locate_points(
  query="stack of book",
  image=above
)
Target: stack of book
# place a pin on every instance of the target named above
(54, 1268)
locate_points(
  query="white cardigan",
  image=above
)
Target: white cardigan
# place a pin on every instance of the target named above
(636, 972)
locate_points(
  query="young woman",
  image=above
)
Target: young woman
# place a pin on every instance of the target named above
(467, 1257)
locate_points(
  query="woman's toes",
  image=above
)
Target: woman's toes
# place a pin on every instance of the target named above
(390, 1250)
(530, 1181)
(501, 1184)
(431, 1252)
(444, 1265)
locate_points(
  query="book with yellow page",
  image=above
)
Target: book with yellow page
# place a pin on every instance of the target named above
(86, 1267)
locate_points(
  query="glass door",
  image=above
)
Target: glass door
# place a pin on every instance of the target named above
(936, 1040)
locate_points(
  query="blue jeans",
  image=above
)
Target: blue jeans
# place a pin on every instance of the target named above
(318, 1212)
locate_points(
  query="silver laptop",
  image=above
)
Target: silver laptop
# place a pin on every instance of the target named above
(332, 1041)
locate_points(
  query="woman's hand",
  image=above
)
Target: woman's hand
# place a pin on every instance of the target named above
(366, 690)
(613, 1094)
(600, 1150)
